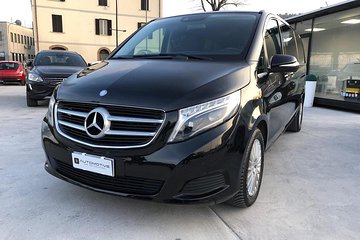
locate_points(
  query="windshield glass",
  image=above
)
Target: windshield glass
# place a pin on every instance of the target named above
(59, 59)
(9, 66)
(217, 36)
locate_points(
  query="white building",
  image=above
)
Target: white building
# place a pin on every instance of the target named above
(16, 42)
(90, 27)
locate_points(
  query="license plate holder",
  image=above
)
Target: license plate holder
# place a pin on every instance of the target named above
(92, 163)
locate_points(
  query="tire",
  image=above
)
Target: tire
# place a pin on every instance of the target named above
(251, 169)
(22, 83)
(30, 102)
(296, 122)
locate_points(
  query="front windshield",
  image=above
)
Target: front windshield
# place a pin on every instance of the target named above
(217, 36)
(59, 59)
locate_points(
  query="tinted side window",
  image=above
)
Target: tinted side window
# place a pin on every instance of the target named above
(272, 39)
(288, 40)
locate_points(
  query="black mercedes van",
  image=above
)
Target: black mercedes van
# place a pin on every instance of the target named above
(182, 111)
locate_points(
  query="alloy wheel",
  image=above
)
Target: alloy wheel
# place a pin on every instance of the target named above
(254, 168)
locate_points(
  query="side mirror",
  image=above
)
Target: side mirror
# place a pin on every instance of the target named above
(283, 63)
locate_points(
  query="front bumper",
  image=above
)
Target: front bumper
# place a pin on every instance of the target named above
(12, 79)
(39, 90)
(204, 169)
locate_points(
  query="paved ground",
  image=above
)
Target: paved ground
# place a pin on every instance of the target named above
(311, 189)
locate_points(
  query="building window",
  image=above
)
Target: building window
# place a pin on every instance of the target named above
(103, 54)
(18, 38)
(141, 24)
(145, 5)
(58, 47)
(22, 39)
(103, 3)
(0, 35)
(103, 27)
(12, 37)
(57, 23)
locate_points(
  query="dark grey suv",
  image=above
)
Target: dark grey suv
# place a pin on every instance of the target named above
(47, 70)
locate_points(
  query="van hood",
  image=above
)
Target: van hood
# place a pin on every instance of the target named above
(155, 83)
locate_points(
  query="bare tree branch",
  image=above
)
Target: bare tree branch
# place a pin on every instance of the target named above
(216, 5)
(203, 6)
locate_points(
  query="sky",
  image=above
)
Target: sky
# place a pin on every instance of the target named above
(21, 9)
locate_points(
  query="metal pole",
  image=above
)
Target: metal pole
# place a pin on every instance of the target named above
(146, 9)
(116, 22)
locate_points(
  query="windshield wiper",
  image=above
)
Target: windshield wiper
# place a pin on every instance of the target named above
(184, 55)
(123, 57)
(165, 56)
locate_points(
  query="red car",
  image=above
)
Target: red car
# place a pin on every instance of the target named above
(11, 71)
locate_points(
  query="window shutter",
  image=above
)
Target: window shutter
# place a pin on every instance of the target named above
(54, 23)
(60, 23)
(109, 27)
(97, 27)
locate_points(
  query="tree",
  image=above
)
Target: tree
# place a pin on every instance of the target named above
(216, 5)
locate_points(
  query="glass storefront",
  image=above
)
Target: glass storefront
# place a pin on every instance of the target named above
(331, 39)
(335, 55)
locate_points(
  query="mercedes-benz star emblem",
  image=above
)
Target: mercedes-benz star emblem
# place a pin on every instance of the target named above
(97, 123)
(103, 93)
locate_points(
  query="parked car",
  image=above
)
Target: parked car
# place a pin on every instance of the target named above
(50, 68)
(182, 111)
(12, 71)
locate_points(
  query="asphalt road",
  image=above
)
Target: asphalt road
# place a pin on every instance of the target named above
(310, 190)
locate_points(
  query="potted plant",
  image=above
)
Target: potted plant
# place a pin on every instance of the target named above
(310, 86)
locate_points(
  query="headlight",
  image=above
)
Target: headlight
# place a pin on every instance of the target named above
(34, 77)
(50, 113)
(198, 118)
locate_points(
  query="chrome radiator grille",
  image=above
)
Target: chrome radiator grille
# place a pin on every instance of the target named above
(106, 125)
